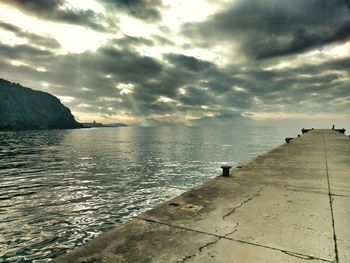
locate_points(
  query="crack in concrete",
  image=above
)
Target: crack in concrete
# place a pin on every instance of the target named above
(308, 228)
(234, 230)
(297, 255)
(290, 253)
(199, 250)
(241, 204)
(209, 244)
(180, 227)
(340, 195)
(305, 190)
(331, 202)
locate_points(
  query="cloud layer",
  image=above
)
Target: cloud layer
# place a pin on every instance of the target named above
(261, 58)
(273, 28)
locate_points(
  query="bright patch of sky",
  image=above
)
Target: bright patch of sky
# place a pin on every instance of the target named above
(125, 88)
(86, 5)
(73, 39)
(9, 38)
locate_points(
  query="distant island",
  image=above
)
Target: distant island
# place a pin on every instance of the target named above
(22, 108)
(227, 119)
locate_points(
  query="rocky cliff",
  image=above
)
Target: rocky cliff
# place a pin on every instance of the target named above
(25, 109)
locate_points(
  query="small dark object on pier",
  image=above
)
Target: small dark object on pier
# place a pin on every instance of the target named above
(340, 130)
(174, 204)
(298, 135)
(306, 130)
(333, 127)
(226, 170)
(289, 139)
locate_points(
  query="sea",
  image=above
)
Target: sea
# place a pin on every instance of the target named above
(61, 188)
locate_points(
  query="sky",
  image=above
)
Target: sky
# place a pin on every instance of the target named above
(125, 60)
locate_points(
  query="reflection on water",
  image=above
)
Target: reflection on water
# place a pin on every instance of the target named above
(59, 189)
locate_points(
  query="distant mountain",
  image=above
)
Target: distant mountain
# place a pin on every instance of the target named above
(119, 125)
(220, 120)
(22, 108)
(101, 125)
(92, 124)
(152, 123)
(223, 120)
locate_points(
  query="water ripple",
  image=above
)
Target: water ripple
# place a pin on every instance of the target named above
(59, 189)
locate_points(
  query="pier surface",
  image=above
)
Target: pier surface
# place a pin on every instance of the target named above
(291, 204)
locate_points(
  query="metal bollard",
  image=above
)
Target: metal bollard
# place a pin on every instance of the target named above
(340, 130)
(303, 130)
(226, 170)
(289, 139)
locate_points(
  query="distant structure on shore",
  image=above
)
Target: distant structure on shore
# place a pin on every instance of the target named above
(95, 124)
(22, 108)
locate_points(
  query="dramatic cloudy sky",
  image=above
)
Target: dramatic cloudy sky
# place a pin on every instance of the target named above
(122, 60)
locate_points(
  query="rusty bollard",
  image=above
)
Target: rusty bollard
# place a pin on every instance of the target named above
(226, 170)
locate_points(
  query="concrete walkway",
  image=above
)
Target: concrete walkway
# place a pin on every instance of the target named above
(289, 205)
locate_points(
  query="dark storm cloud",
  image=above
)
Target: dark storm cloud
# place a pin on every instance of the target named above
(87, 18)
(34, 39)
(340, 64)
(129, 42)
(272, 28)
(143, 9)
(197, 96)
(189, 63)
(51, 10)
(36, 6)
(129, 66)
(10, 27)
(24, 52)
(238, 100)
(147, 10)
(162, 41)
(306, 94)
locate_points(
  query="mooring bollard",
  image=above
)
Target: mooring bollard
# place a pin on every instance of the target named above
(340, 130)
(303, 130)
(226, 170)
(289, 139)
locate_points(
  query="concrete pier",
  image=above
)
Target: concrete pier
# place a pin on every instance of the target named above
(290, 205)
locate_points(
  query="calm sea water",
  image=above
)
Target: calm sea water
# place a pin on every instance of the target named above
(59, 189)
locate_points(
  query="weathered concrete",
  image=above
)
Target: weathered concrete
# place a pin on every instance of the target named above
(289, 205)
